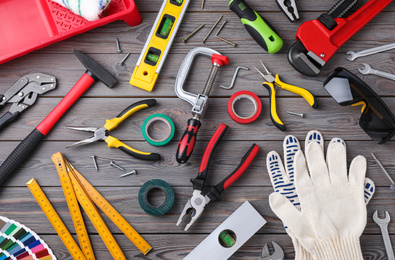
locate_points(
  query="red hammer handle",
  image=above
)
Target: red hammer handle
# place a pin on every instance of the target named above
(29, 144)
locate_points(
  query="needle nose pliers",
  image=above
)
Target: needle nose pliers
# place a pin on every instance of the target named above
(199, 200)
(102, 133)
(270, 86)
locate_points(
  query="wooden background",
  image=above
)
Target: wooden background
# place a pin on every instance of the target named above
(100, 103)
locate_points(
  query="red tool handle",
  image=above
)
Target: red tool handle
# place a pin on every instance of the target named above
(198, 182)
(28, 145)
(215, 192)
(187, 141)
(74, 94)
(324, 42)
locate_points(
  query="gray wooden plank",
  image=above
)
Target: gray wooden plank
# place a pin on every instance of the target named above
(178, 246)
(329, 118)
(19, 204)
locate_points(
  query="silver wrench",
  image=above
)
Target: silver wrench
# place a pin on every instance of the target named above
(383, 224)
(354, 55)
(369, 70)
(234, 77)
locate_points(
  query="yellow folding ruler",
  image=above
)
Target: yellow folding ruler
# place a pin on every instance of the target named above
(158, 44)
(76, 187)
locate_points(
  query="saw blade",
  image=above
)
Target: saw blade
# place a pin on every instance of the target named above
(341, 8)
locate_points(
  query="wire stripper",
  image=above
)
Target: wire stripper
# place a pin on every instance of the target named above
(270, 86)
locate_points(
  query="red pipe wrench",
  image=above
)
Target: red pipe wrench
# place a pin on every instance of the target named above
(319, 39)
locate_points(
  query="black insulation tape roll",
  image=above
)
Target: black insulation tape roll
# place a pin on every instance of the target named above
(143, 197)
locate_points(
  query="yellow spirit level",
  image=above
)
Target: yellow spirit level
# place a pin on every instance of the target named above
(158, 44)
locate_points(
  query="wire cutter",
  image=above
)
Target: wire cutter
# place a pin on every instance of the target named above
(289, 9)
(270, 86)
(103, 132)
(199, 200)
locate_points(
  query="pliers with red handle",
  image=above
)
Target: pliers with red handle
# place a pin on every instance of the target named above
(196, 204)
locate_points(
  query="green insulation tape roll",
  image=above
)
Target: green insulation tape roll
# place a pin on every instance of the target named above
(143, 197)
(149, 121)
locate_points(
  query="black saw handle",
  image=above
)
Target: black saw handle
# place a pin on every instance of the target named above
(8, 118)
(19, 155)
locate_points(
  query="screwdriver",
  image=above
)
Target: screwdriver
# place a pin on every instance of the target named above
(257, 26)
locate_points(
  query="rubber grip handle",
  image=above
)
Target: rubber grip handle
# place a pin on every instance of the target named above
(187, 141)
(307, 95)
(8, 118)
(113, 123)
(273, 107)
(257, 26)
(215, 192)
(19, 155)
(114, 142)
(198, 182)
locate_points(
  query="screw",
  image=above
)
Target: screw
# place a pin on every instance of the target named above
(118, 46)
(128, 173)
(95, 163)
(296, 114)
(225, 40)
(123, 60)
(116, 166)
(184, 40)
(205, 38)
(220, 28)
(202, 5)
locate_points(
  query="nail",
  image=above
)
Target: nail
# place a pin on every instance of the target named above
(128, 173)
(220, 28)
(95, 163)
(118, 46)
(205, 38)
(296, 114)
(116, 166)
(184, 40)
(225, 40)
(123, 60)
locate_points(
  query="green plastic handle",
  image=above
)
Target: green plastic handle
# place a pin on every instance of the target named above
(257, 26)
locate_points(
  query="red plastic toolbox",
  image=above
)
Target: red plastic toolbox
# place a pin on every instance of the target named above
(28, 25)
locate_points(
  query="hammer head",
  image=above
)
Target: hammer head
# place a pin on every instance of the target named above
(96, 69)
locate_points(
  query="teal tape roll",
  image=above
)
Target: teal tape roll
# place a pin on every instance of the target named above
(143, 197)
(149, 121)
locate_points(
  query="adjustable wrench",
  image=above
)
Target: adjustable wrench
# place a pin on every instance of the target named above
(278, 253)
(383, 224)
(369, 70)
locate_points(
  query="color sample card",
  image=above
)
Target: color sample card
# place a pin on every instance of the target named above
(18, 242)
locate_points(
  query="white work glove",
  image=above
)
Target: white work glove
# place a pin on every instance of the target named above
(283, 181)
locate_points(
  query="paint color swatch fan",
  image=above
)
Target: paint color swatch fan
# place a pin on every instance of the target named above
(18, 242)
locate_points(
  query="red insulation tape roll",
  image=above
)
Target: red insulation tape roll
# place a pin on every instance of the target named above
(250, 96)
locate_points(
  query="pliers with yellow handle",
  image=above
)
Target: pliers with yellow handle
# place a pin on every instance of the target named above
(102, 133)
(270, 86)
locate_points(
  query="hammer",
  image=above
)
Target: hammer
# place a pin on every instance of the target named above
(93, 73)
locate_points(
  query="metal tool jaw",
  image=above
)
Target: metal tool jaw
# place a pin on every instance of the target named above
(318, 40)
(195, 204)
(198, 101)
(278, 253)
(98, 134)
(23, 94)
(289, 9)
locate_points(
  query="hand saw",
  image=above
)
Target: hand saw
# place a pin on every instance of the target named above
(318, 40)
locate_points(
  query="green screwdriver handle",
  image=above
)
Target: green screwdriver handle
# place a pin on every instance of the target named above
(259, 28)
